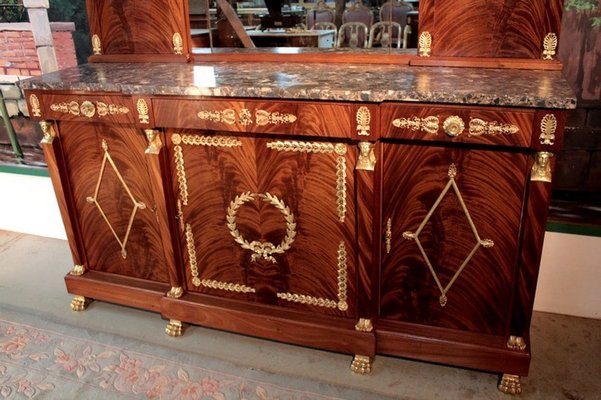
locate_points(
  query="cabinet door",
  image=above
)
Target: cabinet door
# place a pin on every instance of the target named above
(114, 203)
(451, 222)
(267, 221)
(139, 27)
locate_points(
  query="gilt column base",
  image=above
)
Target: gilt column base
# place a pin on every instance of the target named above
(80, 303)
(510, 384)
(174, 328)
(361, 364)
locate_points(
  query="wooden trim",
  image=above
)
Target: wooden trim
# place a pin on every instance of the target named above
(139, 58)
(118, 289)
(158, 172)
(472, 62)
(62, 188)
(269, 322)
(461, 349)
(316, 57)
(375, 58)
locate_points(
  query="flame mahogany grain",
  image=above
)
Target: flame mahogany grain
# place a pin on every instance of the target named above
(491, 184)
(306, 183)
(494, 28)
(138, 27)
(81, 145)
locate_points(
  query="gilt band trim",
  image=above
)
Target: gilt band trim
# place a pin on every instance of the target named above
(190, 245)
(212, 141)
(180, 168)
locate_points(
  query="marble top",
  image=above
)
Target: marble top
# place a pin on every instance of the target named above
(343, 82)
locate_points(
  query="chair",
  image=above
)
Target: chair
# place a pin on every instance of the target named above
(396, 11)
(321, 13)
(357, 13)
(355, 32)
(382, 33)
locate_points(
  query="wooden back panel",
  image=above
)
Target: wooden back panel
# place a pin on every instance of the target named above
(492, 28)
(139, 27)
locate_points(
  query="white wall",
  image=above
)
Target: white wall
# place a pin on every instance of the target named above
(28, 205)
(569, 280)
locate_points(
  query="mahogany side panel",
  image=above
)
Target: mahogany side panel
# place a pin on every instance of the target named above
(536, 211)
(367, 243)
(55, 160)
(495, 28)
(491, 186)
(307, 329)
(224, 212)
(141, 255)
(139, 26)
(160, 182)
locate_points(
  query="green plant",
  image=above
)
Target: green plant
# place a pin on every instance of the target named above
(73, 11)
(12, 11)
(581, 5)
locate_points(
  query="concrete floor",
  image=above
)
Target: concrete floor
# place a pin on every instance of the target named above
(566, 361)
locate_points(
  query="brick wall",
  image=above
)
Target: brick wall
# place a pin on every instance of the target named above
(18, 55)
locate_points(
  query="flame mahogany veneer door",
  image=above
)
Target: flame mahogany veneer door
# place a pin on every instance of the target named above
(125, 27)
(491, 28)
(267, 221)
(112, 191)
(486, 185)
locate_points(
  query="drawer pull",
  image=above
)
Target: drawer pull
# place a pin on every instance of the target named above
(429, 124)
(479, 127)
(453, 126)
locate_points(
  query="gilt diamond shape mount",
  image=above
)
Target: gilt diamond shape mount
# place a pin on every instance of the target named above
(486, 243)
(137, 205)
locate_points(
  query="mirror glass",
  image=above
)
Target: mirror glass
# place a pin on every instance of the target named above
(293, 26)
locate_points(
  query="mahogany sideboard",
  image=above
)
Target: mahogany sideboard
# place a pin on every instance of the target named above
(397, 210)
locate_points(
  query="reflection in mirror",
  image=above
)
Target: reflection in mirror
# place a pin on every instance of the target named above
(357, 24)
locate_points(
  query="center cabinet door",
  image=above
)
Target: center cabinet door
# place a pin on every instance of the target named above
(451, 221)
(265, 220)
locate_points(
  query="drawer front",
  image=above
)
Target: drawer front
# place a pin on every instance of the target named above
(277, 117)
(476, 125)
(113, 109)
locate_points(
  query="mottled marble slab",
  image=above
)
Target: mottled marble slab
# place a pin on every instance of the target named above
(345, 82)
